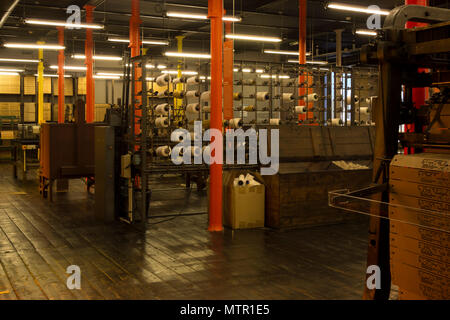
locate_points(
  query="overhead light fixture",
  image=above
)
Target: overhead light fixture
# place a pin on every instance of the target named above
(109, 74)
(53, 75)
(154, 42)
(285, 52)
(349, 7)
(267, 76)
(99, 57)
(34, 46)
(18, 60)
(9, 73)
(259, 71)
(10, 70)
(252, 38)
(159, 66)
(64, 24)
(310, 62)
(204, 78)
(188, 55)
(200, 16)
(106, 77)
(150, 79)
(188, 73)
(367, 32)
(76, 68)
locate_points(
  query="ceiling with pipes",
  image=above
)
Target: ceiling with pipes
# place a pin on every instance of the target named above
(260, 17)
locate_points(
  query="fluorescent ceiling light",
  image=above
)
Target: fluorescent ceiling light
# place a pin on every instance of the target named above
(188, 73)
(199, 16)
(252, 38)
(70, 68)
(106, 77)
(267, 76)
(204, 78)
(109, 74)
(285, 52)
(99, 57)
(159, 66)
(34, 46)
(53, 75)
(9, 73)
(155, 42)
(310, 61)
(18, 60)
(367, 32)
(188, 55)
(10, 70)
(150, 79)
(259, 70)
(349, 7)
(64, 24)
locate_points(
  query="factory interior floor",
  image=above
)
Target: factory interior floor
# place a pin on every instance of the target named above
(174, 258)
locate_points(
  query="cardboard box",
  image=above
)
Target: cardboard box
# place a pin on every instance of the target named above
(399, 257)
(435, 220)
(406, 295)
(419, 190)
(421, 282)
(423, 248)
(440, 238)
(7, 135)
(244, 207)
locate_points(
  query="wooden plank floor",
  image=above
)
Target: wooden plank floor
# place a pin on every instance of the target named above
(172, 258)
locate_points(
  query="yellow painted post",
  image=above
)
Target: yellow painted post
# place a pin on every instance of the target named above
(178, 103)
(41, 86)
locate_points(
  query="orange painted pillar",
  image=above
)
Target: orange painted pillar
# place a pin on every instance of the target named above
(419, 95)
(215, 12)
(228, 60)
(302, 6)
(135, 46)
(89, 52)
(61, 95)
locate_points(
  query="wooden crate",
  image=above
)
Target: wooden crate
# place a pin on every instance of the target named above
(68, 87)
(10, 109)
(29, 85)
(298, 195)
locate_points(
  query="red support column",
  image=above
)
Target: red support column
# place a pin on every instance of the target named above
(419, 95)
(215, 8)
(61, 95)
(89, 52)
(228, 54)
(302, 6)
(135, 45)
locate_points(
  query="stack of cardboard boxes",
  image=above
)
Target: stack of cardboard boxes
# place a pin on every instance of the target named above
(419, 215)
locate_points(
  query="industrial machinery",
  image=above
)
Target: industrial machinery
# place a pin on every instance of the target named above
(409, 200)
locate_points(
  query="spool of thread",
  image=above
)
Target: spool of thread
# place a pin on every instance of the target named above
(194, 151)
(364, 111)
(301, 110)
(249, 108)
(162, 122)
(177, 136)
(288, 97)
(163, 94)
(193, 80)
(240, 181)
(163, 151)
(349, 99)
(193, 108)
(162, 109)
(192, 94)
(262, 96)
(179, 80)
(178, 151)
(236, 123)
(237, 96)
(249, 82)
(163, 80)
(179, 94)
(275, 122)
(206, 96)
(313, 97)
(336, 122)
